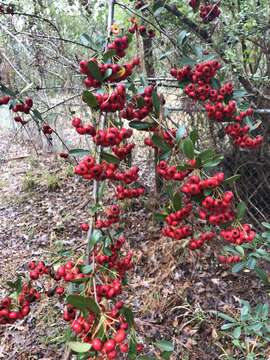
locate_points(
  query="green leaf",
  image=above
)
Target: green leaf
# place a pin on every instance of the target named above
(239, 93)
(262, 275)
(160, 217)
(228, 326)
(166, 55)
(94, 70)
(157, 4)
(90, 99)
(181, 132)
(79, 152)
(87, 269)
(132, 348)
(231, 179)
(140, 102)
(194, 136)
(177, 201)
(128, 314)
(164, 345)
(107, 74)
(95, 238)
(265, 311)
(81, 280)
(241, 210)
(255, 327)
(224, 316)
(79, 347)
(6, 90)
(213, 163)
(166, 355)
(159, 142)
(207, 155)
(156, 102)
(237, 332)
(240, 250)
(266, 225)
(166, 155)
(186, 60)
(85, 39)
(16, 285)
(140, 125)
(198, 51)
(37, 114)
(215, 83)
(108, 55)
(188, 148)
(83, 303)
(251, 264)
(245, 311)
(238, 267)
(109, 158)
(266, 235)
(107, 251)
(181, 38)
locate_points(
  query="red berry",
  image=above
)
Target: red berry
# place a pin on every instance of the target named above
(97, 344)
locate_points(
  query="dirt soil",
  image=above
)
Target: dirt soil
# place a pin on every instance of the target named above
(171, 291)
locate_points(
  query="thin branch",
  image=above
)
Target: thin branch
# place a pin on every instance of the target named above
(147, 21)
(40, 18)
(61, 103)
(58, 39)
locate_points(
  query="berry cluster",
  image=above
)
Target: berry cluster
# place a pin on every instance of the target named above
(112, 214)
(220, 112)
(118, 72)
(10, 312)
(238, 236)
(218, 211)
(114, 101)
(170, 172)
(195, 244)
(4, 100)
(177, 233)
(139, 4)
(195, 185)
(89, 169)
(120, 44)
(229, 259)
(123, 151)
(83, 130)
(209, 13)
(239, 134)
(128, 176)
(20, 120)
(203, 211)
(124, 193)
(111, 136)
(194, 4)
(47, 129)
(183, 74)
(37, 270)
(174, 218)
(7, 9)
(168, 136)
(141, 29)
(218, 104)
(24, 107)
(140, 106)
